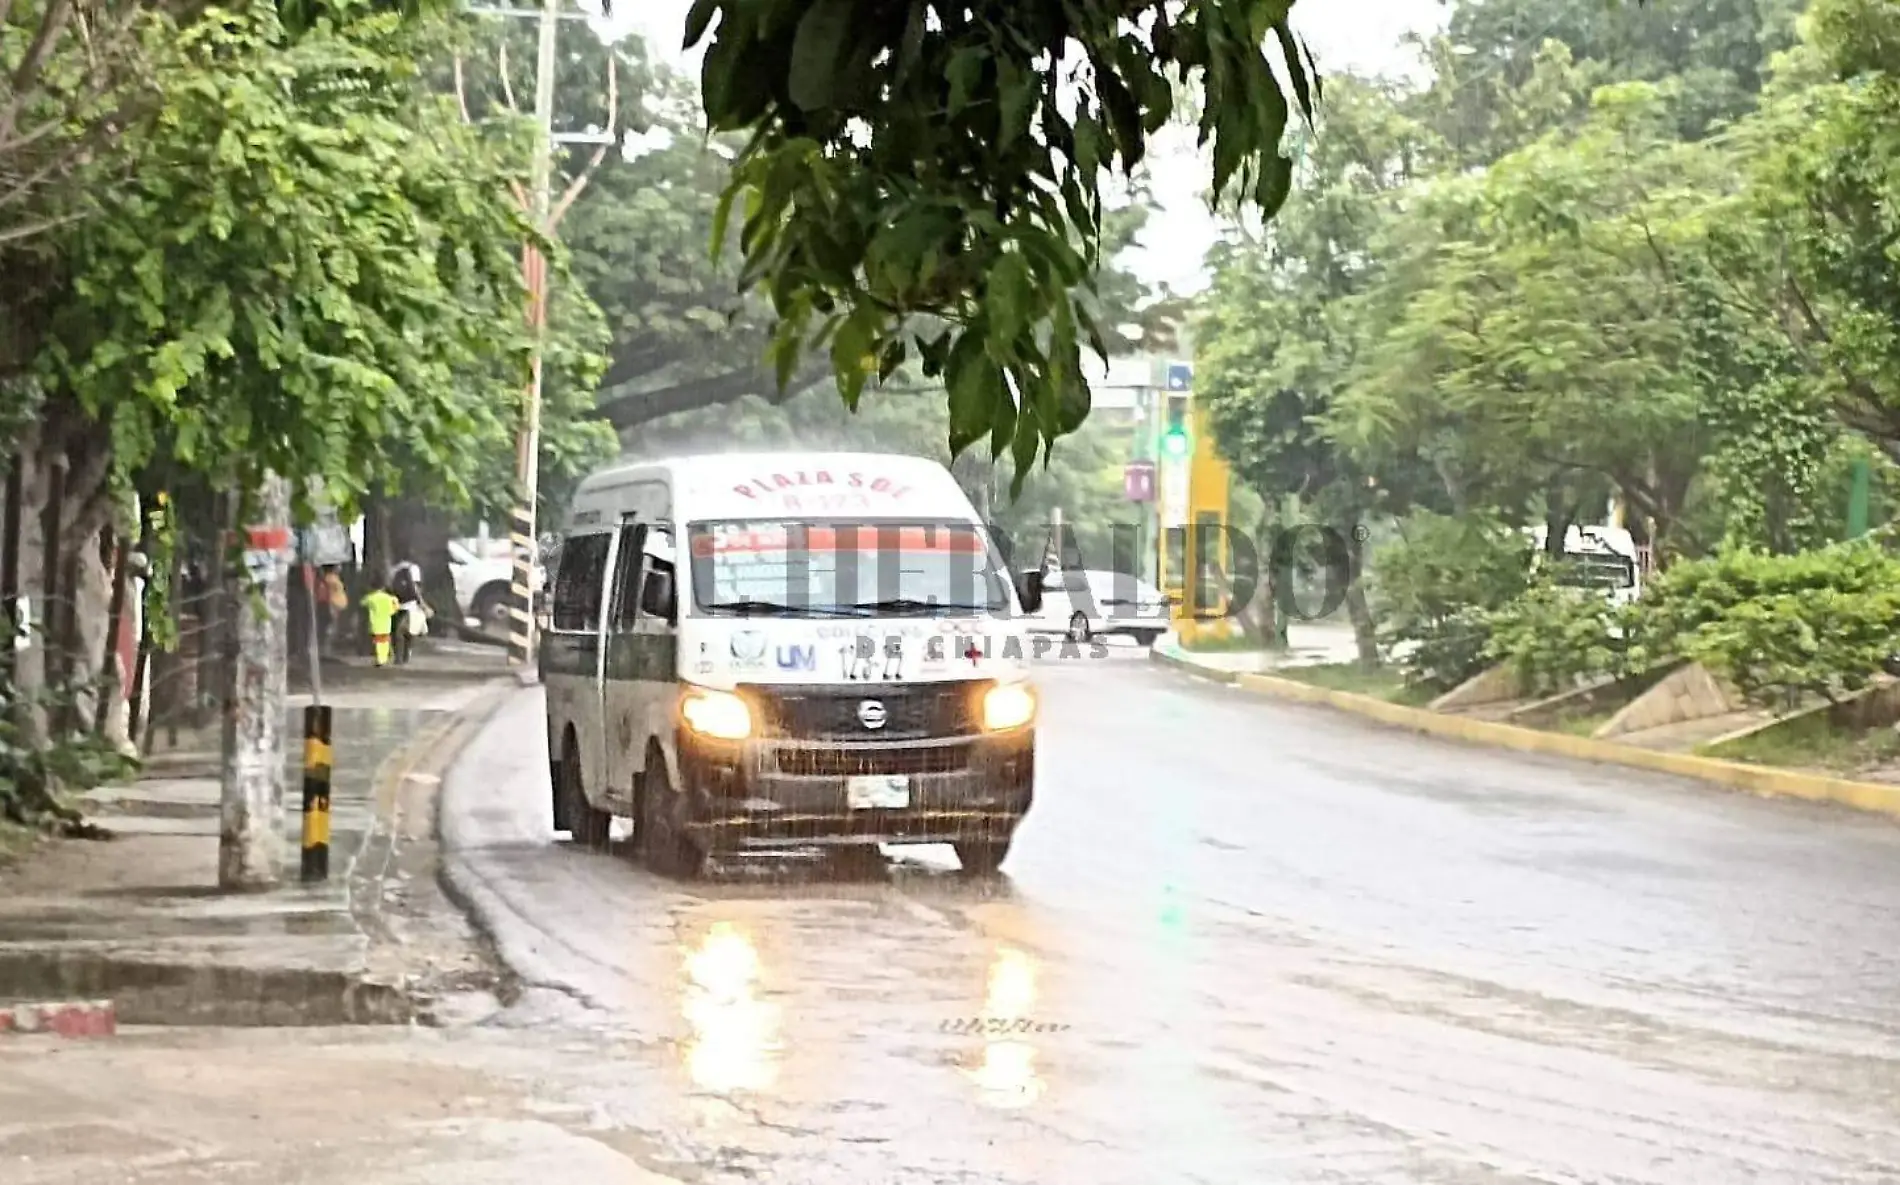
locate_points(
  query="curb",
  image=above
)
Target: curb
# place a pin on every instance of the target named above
(160, 992)
(85, 1018)
(1763, 781)
(526, 968)
(1180, 663)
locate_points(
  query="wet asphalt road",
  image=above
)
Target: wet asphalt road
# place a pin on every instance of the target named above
(1251, 943)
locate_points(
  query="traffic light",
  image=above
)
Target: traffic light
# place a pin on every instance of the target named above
(1174, 441)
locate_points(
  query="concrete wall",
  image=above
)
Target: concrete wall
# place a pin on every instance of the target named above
(1691, 692)
(1497, 685)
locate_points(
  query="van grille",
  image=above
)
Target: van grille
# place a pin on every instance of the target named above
(863, 760)
(916, 711)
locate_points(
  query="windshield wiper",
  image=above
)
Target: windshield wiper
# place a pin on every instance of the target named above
(913, 605)
(748, 607)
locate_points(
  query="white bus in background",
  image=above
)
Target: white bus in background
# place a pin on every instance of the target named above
(1605, 559)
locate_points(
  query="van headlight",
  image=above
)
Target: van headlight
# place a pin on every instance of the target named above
(1007, 706)
(717, 714)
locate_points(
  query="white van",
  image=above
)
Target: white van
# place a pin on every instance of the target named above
(842, 661)
(1598, 559)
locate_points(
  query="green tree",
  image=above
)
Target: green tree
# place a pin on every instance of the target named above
(1280, 334)
(311, 270)
(1492, 90)
(1824, 155)
(920, 161)
(1535, 335)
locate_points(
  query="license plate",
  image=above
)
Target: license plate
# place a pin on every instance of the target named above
(877, 793)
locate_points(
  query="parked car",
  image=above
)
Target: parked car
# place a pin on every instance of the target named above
(1089, 604)
(482, 584)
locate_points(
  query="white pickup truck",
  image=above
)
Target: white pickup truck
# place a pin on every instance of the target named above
(483, 575)
(1603, 559)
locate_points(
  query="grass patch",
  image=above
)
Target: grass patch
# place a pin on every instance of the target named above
(1216, 645)
(1379, 683)
(1582, 724)
(1814, 743)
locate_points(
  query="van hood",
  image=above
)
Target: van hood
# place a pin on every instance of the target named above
(725, 652)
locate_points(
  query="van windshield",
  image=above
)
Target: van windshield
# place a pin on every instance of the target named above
(1598, 570)
(756, 566)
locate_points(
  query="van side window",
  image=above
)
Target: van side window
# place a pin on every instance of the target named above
(577, 586)
(627, 577)
(657, 590)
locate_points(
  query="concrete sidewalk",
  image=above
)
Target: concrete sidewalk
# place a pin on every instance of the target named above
(1308, 644)
(139, 919)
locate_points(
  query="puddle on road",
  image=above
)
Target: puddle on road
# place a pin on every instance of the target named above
(1005, 1074)
(735, 1040)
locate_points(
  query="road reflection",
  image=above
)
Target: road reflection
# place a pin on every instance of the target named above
(735, 1035)
(1006, 1073)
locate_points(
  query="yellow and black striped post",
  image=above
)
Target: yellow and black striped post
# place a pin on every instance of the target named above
(521, 590)
(316, 793)
(528, 443)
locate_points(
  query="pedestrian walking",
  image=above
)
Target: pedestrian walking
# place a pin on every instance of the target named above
(405, 583)
(337, 598)
(382, 608)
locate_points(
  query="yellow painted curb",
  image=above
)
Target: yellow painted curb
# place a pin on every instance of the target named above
(1766, 781)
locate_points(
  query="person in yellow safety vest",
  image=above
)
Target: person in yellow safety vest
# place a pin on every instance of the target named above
(382, 607)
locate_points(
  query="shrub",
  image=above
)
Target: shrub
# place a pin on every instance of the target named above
(1435, 589)
(36, 776)
(1821, 622)
(1552, 636)
(1780, 648)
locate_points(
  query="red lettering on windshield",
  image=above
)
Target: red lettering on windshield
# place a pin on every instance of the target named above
(823, 539)
(781, 484)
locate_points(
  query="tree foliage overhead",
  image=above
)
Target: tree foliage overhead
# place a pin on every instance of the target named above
(934, 160)
(310, 267)
(1629, 256)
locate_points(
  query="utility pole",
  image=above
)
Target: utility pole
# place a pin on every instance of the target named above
(251, 839)
(525, 538)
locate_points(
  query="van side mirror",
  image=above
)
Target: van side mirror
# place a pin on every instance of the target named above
(657, 599)
(1029, 591)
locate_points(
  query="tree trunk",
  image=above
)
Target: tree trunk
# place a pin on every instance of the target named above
(29, 667)
(1453, 483)
(1559, 515)
(90, 623)
(1365, 631)
(409, 530)
(251, 839)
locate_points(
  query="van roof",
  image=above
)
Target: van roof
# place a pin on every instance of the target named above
(709, 486)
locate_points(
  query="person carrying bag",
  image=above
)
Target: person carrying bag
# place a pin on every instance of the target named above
(406, 583)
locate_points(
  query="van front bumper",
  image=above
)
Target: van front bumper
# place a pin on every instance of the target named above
(779, 793)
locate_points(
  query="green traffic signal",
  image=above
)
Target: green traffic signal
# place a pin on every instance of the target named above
(1176, 443)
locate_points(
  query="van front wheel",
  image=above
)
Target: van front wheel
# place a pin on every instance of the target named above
(982, 857)
(662, 848)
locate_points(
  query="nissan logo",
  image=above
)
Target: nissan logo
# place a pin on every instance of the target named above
(871, 713)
